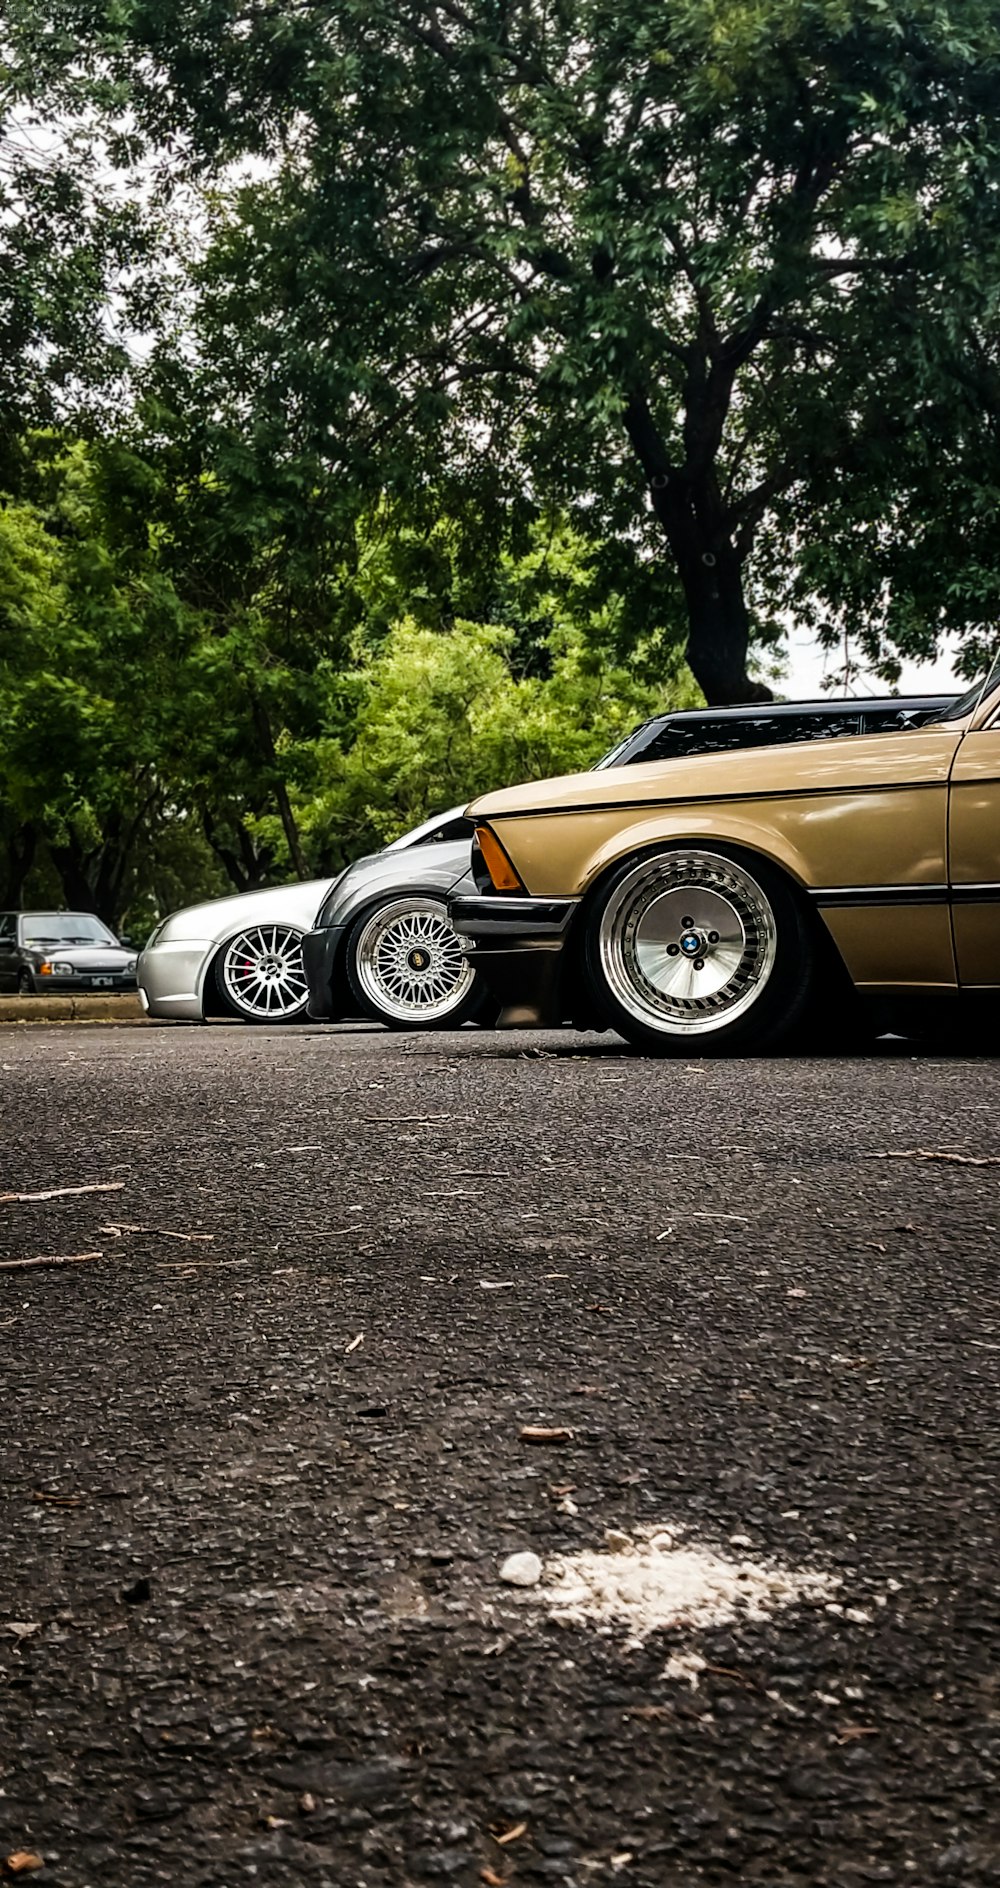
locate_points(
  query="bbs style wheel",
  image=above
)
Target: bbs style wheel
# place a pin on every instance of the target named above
(697, 951)
(406, 968)
(260, 975)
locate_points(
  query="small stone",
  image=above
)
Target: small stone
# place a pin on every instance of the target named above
(521, 1570)
(618, 1542)
(307, 1804)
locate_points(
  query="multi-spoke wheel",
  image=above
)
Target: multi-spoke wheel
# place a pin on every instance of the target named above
(406, 969)
(695, 950)
(260, 975)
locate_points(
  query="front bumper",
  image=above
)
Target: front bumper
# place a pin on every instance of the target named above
(518, 947)
(104, 983)
(171, 978)
(320, 957)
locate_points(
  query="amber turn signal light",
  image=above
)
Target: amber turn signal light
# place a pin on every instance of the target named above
(497, 864)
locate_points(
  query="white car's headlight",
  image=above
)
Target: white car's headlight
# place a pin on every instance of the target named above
(59, 970)
(131, 963)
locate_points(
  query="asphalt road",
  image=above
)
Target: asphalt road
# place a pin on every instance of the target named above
(257, 1488)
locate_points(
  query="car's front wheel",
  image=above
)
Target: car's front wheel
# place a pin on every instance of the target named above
(260, 976)
(25, 983)
(690, 951)
(406, 969)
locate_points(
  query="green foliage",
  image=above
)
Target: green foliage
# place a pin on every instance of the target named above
(181, 707)
(688, 272)
(441, 716)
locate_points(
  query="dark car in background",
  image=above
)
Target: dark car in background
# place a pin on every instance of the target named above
(382, 943)
(62, 950)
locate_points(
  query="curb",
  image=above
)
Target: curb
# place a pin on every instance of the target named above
(71, 1009)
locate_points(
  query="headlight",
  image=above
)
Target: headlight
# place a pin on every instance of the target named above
(131, 963)
(45, 969)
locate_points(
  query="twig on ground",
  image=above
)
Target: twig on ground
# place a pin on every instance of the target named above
(70, 1258)
(933, 1153)
(57, 1193)
(122, 1228)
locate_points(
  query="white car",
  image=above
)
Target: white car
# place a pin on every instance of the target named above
(242, 956)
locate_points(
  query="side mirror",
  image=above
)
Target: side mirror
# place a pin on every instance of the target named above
(126, 942)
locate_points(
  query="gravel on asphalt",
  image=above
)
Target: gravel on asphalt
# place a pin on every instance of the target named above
(264, 1459)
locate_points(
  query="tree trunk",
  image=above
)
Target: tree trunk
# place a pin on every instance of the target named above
(711, 577)
(689, 507)
(71, 862)
(289, 827)
(719, 626)
(244, 869)
(20, 846)
(94, 877)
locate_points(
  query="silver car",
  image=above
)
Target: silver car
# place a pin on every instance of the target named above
(242, 956)
(382, 945)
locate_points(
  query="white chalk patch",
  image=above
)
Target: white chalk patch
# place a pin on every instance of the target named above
(656, 1583)
(685, 1667)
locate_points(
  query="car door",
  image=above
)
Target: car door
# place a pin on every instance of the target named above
(974, 820)
(8, 950)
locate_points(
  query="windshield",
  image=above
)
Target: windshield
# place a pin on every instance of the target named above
(973, 696)
(610, 759)
(64, 927)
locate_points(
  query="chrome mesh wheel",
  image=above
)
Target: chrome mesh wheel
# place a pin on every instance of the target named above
(262, 973)
(687, 942)
(408, 963)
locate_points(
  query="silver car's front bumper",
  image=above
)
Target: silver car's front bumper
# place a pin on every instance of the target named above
(171, 979)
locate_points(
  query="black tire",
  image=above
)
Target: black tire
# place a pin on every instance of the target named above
(26, 983)
(379, 976)
(759, 966)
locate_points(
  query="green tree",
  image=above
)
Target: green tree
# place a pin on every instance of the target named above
(685, 267)
(93, 641)
(442, 715)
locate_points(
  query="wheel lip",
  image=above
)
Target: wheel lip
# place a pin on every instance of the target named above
(364, 948)
(251, 1011)
(627, 995)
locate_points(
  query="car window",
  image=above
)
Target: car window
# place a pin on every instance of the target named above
(877, 720)
(823, 727)
(675, 738)
(7, 926)
(64, 927)
(449, 829)
(621, 753)
(973, 696)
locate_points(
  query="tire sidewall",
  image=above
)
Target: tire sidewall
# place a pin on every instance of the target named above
(476, 1006)
(773, 1014)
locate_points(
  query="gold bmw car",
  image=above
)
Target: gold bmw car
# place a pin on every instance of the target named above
(708, 904)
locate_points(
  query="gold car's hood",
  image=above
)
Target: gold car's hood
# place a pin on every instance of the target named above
(905, 756)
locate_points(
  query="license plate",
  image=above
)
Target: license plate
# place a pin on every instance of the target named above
(103, 983)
